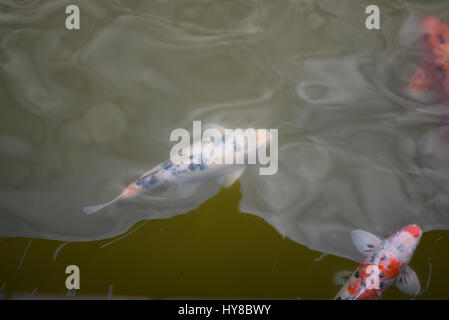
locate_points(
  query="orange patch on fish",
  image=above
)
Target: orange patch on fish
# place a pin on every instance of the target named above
(392, 268)
(420, 82)
(414, 230)
(132, 189)
(354, 287)
(436, 34)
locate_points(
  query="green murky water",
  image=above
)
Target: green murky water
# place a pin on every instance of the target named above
(194, 256)
(85, 112)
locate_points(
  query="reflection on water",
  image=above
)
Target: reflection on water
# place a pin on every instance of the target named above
(84, 113)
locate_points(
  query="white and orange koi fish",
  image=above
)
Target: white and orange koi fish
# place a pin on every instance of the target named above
(188, 171)
(386, 262)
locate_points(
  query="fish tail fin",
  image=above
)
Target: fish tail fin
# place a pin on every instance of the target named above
(129, 192)
(93, 209)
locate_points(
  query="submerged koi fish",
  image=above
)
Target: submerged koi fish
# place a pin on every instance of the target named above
(188, 171)
(434, 73)
(386, 262)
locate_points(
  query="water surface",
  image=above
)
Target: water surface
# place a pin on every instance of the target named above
(85, 112)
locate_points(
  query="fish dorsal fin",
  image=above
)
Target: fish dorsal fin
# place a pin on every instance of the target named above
(365, 242)
(408, 282)
(341, 277)
(229, 180)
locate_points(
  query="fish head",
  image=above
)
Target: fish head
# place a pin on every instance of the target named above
(403, 243)
(435, 41)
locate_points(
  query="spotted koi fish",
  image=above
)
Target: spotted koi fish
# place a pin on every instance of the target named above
(434, 73)
(386, 262)
(186, 172)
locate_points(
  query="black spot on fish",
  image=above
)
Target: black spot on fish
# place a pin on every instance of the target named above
(153, 180)
(441, 38)
(150, 174)
(147, 181)
(167, 165)
(177, 173)
(357, 274)
(381, 275)
(370, 246)
(194, 167)
(381, 284)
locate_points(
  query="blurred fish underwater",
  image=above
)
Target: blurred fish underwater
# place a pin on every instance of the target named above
(86, 112)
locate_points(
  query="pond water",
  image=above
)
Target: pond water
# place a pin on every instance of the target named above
(85, 112)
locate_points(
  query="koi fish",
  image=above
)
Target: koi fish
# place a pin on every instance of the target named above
(386, 262)
(434, 73)
(188, 171)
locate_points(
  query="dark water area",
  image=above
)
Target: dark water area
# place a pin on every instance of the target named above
(208, 253)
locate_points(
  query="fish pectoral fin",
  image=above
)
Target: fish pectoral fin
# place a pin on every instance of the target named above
(365, 242)
(229, 180)
(408, 282)
(421, 81)
(341, 277)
